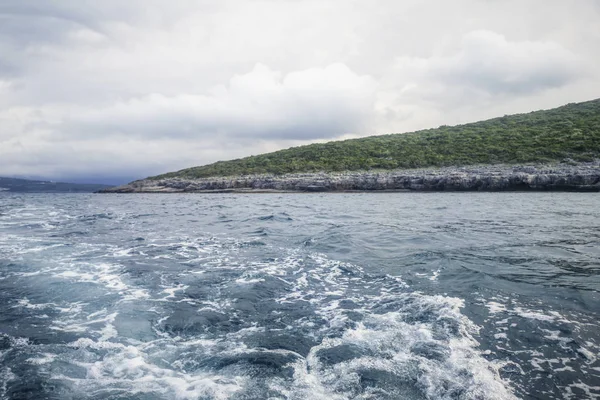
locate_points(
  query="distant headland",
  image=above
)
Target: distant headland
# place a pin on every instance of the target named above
(16, 185)
(557, 149)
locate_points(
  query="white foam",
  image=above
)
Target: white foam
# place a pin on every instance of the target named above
(172, 290)
(100, 273)
(19, 341)
(538, 315)
(587, 389)
(217, 305)
(390, 339)
(39, 249)
(248, 281)
(128, 368)
(109, 330)
(495, 307)
(24, 302)
(136, 294)
(105, 274)
(589, 356)
(28, 274)
(315, 278)
(136, 367)
(79, 276)
(45, 358)
(6, 375)
(563, 369)
(123, 252)
(77, 321)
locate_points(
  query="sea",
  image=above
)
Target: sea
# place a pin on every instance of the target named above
(300, 296)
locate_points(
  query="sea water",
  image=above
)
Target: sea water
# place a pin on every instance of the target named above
(300, 296)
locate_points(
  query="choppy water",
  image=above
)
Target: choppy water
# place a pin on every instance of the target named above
(337, 296)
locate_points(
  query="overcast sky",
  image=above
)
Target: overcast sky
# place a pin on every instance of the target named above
(117, 90)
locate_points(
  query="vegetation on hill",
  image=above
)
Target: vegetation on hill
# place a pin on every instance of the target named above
(568, 132)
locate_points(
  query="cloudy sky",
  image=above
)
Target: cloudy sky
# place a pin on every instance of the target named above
(116, 90)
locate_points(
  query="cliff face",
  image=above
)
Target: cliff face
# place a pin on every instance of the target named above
(581, 177)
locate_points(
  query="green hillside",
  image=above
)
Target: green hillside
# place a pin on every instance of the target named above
(571, 131)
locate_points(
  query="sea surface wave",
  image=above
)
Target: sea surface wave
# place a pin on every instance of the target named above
(300, 296)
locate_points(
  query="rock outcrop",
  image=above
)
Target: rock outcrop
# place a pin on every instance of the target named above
(559, 177)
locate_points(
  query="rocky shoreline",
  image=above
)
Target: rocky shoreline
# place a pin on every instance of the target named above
(583, 177)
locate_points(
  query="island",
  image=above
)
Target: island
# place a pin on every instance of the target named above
(17, 185)
(547, 150)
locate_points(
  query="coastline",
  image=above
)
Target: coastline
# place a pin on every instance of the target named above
(574, 177)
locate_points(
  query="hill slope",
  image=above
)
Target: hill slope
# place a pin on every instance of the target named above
(32, 186)
(568, 132)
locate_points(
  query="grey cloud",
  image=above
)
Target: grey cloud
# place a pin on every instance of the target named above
(302, 105)
(156, 133)
(483, 75)
(26, 23)
(488, 61)
(7, 68)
